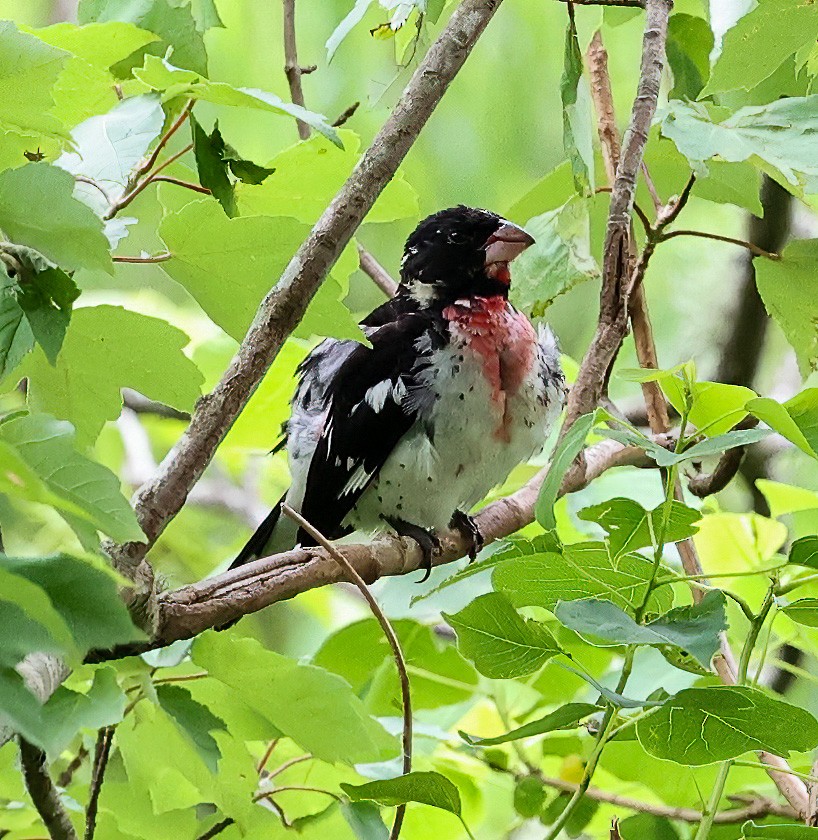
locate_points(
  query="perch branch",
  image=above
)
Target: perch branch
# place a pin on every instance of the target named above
(376, 272)
(44, 793)
(160, 499)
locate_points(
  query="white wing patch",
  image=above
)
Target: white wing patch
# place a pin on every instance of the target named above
(357, 481)
(376, 396)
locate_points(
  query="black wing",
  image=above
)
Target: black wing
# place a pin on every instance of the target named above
(359, 433)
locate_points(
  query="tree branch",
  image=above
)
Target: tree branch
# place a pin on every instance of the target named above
(703, 234)
(291, 66)
(44, 793)
(102, 753)
(376, 272)
(159, 500)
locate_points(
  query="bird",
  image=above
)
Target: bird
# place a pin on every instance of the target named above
(454, 390)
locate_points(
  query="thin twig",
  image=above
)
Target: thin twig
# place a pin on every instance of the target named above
(163, 140)
(267, 753)
(157, 258)
(760, 807)
(181, 183)
(84, 179)
(391, 637)
(658, 204)
(303, 788)
(64, 779)
(291, 66)
(346, 114)
(216, 829)
(102, 752)
(376, 272)
(299, 759)
(753, 249)
(43, 793)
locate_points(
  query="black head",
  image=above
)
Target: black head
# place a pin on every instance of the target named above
(460, 252)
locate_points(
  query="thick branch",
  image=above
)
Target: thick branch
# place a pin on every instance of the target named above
(613, 321)
(158, 501)
(44, 794)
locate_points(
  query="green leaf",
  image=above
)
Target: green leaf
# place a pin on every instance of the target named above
(631, 527)
(108, 348)
(529, 796)
(689, 44)
(172, 22)
(51, 220)
(779, 831)
(16, 338)
(531, 576)
(731, 183)
(315, 708)
(440, 675)
(85, 594)
(365, 820)
(760, 42)
(229, 265)
(779, 134)
(716, 407)
(804, 552)
(705, 725)
(427, 788)
(789, 289)
(194, 720)
(46, 446)
(566, 717)
(559, 260)
(107, 148)
(694, 629)
(161, 75)
(785, 498)
(561, 459)
(100, 44)
(309, 174)
(501, 643)
(803, 611)
(577, 120)
(29, 68)
(647, 827)
(211, 166)
(796, 419)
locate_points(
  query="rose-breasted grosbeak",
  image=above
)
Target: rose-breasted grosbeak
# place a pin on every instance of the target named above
(456, 390)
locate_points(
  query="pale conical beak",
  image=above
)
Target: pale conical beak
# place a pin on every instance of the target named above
(506, 243)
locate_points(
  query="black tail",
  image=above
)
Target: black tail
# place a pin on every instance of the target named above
(257, 543)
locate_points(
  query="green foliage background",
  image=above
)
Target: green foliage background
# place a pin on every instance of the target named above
(514, 662)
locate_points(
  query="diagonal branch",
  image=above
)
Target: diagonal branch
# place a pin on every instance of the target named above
(44, 793)
(159, 500)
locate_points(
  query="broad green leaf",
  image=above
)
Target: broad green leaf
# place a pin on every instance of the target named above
(29, 69)
(46, 446)
(85, 594)
(650, 374)
(67, 711)
(229, 265)
(789, 289)
(427, 788)
(534, 577)
(577, 119)
(16, 338)
(805, 610)
(160, 75)
(804, 552)
(22, 635)
(100, 44)
(315, 708)
(172, 22)
(365, 820)
(796, 419)
(716, 407)
(630, 526)
(694, 629)
(439, 674)
(308, 175)
(705, 725)
(563, 456)
(196, 721)
(501, 643)
(780, 134)
(779, 831)
(689, 44)
(785, 498)
(108, 348)
(760, 42)
(106, 149)
(566, 717)
(559, 260)
(529, 796)
(647, 827)
(51, 220)
(731, 183)
(551, 192)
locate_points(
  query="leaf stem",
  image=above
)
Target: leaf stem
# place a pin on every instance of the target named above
(755, 250)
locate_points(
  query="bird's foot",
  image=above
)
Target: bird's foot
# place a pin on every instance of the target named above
(468, 527)
(427, 541)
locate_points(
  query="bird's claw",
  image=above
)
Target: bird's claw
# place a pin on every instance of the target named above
(427, 541)
(468, 527)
